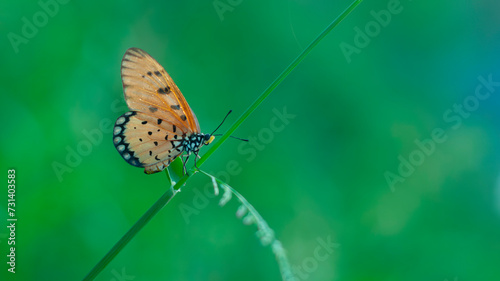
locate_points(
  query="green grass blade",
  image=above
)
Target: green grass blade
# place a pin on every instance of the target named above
(160, 203)
(278, 80)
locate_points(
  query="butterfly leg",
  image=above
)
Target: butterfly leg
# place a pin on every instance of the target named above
(197, 156)
(184, 164)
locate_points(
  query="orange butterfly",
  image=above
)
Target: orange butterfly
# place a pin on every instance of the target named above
(161, 125)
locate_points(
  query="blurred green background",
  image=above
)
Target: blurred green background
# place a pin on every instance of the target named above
(362, 101)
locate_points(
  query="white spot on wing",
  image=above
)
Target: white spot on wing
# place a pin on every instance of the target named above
(126, 156)
(117, 130)
(117, 140)
(120, 120)
(121, 147)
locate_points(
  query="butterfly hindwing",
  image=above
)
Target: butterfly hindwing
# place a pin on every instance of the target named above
(144, 140)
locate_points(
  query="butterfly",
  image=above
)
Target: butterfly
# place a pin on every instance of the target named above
(160, 125)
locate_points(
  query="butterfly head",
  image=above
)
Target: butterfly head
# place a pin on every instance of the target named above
(207, 139)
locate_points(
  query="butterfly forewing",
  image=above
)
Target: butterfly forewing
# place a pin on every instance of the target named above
(151, 134)
(149, 89)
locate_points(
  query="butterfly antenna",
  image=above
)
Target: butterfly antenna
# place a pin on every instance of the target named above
(218, 135)
(221, 122)
(212, 134)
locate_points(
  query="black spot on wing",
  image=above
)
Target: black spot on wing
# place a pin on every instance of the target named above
(164, 91)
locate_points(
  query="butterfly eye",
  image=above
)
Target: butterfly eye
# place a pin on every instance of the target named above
(208, 139)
